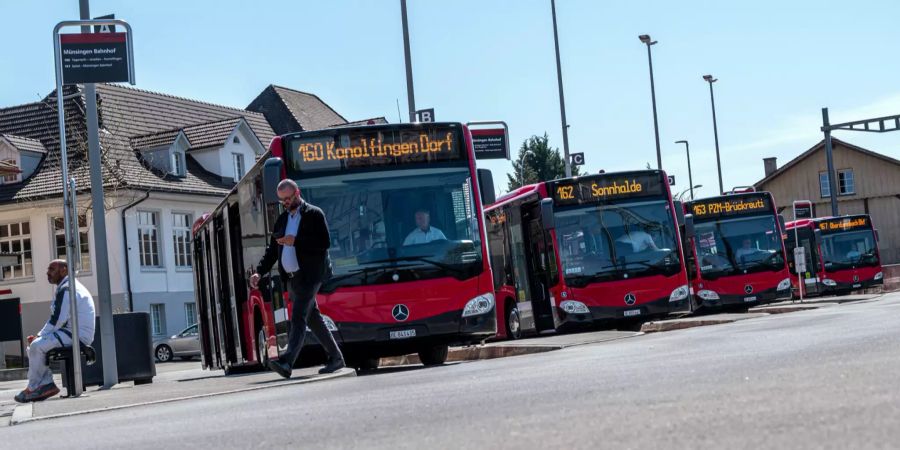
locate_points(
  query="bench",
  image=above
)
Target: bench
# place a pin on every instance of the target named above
(64, 356)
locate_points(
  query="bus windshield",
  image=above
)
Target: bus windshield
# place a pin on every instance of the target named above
(737, 246)
(398, 225)
(616, 241)
(847, 249)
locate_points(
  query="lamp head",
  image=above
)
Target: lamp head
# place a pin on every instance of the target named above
(709, 78)
(681, 142)
(645, 38)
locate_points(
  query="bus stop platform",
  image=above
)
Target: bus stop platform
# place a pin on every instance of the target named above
(174, 382)
(527, 346)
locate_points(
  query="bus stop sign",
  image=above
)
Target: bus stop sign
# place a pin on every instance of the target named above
(94, 58)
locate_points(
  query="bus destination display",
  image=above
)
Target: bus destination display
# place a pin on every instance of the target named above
(356, 150)
(728, 206)
(844, 224)
(606, 187)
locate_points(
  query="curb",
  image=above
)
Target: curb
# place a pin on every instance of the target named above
(13, 374)
(680, 324)
(25, 413)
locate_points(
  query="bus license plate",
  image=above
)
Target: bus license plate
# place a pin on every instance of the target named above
(750, 299)
(857, 285)
(402, 334)
(632, 312)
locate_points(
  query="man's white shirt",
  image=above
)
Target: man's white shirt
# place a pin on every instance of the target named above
(418, 236)
(639, 240)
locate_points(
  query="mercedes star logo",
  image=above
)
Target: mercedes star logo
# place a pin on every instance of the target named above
(855, 278)
(400, 312)
(630, 299)
(748, 289)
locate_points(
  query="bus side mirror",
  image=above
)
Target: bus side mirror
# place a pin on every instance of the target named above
(486, 184)
(689, 226)
(781, 223)
(817, 236)
(548, 220)
(876, 235)
(679, 212)
(271, 178)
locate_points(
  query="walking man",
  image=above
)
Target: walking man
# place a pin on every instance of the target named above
(57, 332)
(300, 244)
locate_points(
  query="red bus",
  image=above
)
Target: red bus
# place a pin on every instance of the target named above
(389, 294)
(588, 249)
(841, 254)
(739, 250)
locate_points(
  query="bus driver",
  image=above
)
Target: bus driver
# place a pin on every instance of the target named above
(424, 232)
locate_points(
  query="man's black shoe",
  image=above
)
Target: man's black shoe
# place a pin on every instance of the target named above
(280, 368)
(333, 366)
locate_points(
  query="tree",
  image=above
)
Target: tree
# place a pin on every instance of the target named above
(537, 161)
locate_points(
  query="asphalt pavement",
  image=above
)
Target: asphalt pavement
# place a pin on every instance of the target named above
(823, 378)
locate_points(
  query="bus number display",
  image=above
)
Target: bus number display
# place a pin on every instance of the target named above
(730, 206)
(338, 151)
(599, 188)
(846, 224)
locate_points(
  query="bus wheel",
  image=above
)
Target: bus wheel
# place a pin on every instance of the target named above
(261, 354)
(513, 323)
(434, 356)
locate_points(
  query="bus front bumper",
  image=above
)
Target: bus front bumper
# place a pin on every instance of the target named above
(653, 308)
(766, 296)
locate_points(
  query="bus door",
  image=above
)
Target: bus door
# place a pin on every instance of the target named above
(278, 293)
(222, 286)
(541, 262)
(811, 282)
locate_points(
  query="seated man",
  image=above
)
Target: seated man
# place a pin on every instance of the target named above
(745, 251)
(424, 232)
(57, 332)
(640, 240)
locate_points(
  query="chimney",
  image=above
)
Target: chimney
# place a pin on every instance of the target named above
(771, 165)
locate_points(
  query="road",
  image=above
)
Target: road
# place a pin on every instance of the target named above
(814, 379)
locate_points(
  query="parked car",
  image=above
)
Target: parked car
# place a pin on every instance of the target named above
(184, 345)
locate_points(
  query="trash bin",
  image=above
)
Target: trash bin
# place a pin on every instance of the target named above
(134, 352)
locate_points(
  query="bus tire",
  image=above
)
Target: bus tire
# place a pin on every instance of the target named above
(261, 354)
(513, 322)
(434, 356)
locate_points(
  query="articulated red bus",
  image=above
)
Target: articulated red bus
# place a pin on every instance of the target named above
(739, 250)
(587, 249)
(841, 254)
(410, 271)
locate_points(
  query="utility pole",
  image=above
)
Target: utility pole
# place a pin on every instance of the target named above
(712, 100)
(645, 38)
(829, 159)
(104, 293)
(562, 99)
(410, 96)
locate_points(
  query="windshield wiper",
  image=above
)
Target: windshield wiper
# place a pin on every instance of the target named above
(365, 271)
(437, 264)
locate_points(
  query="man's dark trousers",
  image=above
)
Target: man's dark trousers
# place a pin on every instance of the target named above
(305, 312)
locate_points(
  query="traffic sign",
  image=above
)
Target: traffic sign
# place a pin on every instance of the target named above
(577, 159)
(671, 180)
(107, 28)
(425, 115)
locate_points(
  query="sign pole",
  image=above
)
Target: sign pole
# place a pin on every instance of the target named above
(796, 264)
(98, 209)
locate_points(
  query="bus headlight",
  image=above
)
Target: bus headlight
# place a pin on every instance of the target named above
(329, 323)
(878, 276)
(574, 307)
(829, 282)
(706, 294)
(680, 293)
(784, 284)
(482, 304)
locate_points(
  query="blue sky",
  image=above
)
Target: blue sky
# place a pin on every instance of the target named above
(778, 64)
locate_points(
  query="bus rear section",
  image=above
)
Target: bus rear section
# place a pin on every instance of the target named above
(841, 254)
(739, 251)
(587, 250)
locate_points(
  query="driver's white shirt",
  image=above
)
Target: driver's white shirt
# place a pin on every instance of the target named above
(638, 239)
(418, 236)
(741, 252)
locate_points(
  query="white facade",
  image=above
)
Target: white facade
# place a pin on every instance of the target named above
(163, 276)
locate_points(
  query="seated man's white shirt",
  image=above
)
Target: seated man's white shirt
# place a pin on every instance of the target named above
(639, 240)
(418, 236)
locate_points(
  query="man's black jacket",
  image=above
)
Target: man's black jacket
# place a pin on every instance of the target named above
(311, 244)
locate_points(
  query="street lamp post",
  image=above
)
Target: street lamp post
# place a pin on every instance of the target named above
(686, 191)
(410, 94)
(562, 100)
(709, 79)
(522, 167)
(645, 38)
(687, 147)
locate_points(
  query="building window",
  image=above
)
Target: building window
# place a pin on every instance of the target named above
(824, 185)
(59, 238)
(11, 178)
(148, 238)
(190, 313)
(16, 238)
(846, 185)
(181, 238)
(178, 164)
(238, 162)
(158, 319)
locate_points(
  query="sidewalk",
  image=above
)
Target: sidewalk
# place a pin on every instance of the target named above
(180, 383)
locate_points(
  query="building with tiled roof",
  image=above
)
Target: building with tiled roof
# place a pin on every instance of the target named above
(290, 110)
(166, 160)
